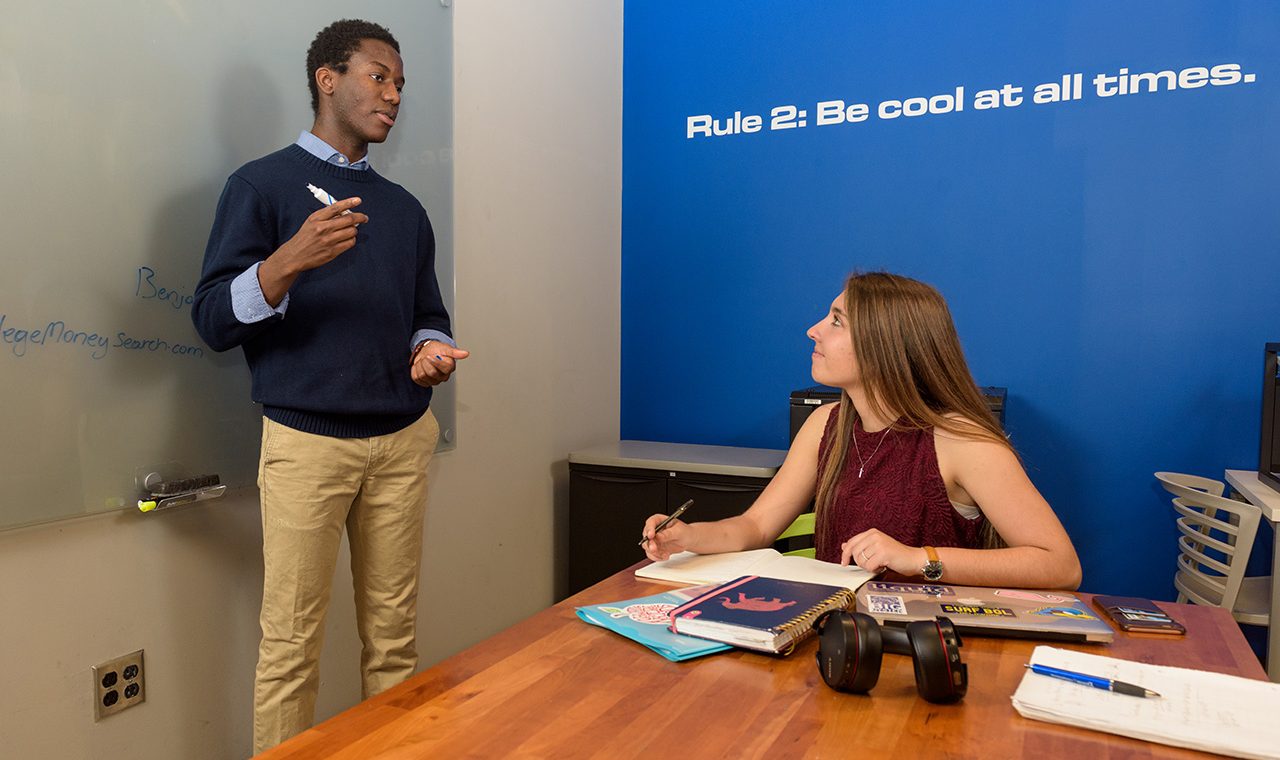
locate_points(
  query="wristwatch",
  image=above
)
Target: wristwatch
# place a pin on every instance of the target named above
(932, 570)
(421, 344)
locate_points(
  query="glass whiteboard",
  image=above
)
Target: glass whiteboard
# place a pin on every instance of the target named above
(123, 121)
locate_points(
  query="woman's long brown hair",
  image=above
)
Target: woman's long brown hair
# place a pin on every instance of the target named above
(913, 370)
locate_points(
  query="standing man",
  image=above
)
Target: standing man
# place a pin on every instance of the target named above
(339, 314)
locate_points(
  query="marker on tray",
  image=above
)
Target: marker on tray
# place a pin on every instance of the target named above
(162, 494)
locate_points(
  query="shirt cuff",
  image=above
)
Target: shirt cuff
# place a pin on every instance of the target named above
(247, 301)
(422, 335)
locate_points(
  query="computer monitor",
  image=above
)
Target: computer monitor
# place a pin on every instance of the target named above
(1269, 443)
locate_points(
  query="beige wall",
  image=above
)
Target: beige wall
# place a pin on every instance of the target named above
(538, 193)
(538, 224)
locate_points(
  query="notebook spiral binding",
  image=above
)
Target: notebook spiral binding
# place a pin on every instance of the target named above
(805, 620)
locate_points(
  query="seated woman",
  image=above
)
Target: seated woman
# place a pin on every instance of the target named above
(910, 459)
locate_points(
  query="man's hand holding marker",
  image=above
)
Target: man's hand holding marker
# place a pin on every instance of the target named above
(324, 236)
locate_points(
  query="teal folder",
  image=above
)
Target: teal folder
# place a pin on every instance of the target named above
(645, 620)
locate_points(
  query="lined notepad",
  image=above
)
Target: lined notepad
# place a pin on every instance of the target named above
(1212, 712)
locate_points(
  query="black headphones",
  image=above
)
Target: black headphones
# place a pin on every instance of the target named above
(850, 645)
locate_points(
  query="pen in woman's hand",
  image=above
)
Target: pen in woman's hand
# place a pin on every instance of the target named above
(669, 520)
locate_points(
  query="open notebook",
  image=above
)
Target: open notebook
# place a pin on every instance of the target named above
(687, 567)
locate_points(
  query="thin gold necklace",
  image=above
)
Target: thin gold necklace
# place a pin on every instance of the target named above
(862, 464)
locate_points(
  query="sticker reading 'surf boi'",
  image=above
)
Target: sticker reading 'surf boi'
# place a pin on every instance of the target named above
(977, 609)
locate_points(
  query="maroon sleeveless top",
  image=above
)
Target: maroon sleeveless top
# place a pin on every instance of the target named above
(901, 492)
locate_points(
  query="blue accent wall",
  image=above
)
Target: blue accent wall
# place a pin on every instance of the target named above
(1115, 262)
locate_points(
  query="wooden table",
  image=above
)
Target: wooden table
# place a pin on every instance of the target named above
(555, 687)
(1247, 484)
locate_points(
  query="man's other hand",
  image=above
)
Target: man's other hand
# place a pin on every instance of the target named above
(434, 361)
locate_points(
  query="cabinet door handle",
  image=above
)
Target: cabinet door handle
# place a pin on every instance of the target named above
(617, 478)
(721, 487)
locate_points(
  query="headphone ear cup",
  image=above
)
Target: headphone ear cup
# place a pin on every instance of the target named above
(941, 677)
(849, 651)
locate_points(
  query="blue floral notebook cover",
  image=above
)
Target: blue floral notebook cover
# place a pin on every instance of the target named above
(646, 620)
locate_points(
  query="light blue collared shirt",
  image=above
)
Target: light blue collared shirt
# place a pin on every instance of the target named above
(325, 152)
(247, 300)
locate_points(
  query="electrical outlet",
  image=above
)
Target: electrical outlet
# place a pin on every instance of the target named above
(118, 685)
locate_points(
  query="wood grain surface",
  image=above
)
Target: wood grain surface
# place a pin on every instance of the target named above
(554, 687)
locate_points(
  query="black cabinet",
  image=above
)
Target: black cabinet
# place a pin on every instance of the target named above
(614, 488)
(805, 400)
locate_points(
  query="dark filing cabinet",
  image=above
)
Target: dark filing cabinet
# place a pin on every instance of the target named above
(614, 488)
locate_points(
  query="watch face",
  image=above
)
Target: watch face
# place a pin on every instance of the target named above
(933, 571)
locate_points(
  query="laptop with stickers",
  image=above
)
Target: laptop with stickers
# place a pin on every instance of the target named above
(1015, 613)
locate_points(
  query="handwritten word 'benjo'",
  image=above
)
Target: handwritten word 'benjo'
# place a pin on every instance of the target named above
(147, 289)
(23, 340)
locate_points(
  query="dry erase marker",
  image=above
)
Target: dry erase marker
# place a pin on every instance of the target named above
(1097, 682)
(669, 520)
(324, 197)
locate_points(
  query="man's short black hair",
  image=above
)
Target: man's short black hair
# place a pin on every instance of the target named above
(333, 46)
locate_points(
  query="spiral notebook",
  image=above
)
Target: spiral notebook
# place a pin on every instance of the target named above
(764, 614)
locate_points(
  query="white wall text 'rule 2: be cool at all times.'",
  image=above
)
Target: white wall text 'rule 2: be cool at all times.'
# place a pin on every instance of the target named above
(1069, 88)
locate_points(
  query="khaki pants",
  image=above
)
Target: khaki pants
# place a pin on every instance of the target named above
(312, 486)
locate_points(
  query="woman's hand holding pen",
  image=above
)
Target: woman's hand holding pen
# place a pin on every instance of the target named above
(663, 543)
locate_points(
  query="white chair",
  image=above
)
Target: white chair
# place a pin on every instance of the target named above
(1215, 538)
(1208, 485)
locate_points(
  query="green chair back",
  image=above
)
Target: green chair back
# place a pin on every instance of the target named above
(801, 526)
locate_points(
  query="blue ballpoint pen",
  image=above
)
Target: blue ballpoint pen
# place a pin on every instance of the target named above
(1097, 682)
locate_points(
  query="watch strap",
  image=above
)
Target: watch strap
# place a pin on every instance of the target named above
(932, 570)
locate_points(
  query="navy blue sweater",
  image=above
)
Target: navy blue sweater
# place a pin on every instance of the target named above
(337, 362)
